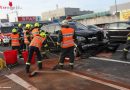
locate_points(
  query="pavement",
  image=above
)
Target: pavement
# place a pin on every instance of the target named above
(103, 72)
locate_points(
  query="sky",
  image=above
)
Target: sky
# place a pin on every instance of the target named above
(36, 7)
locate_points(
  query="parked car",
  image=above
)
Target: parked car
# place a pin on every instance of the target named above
(4, 40)
(117, 31)
(85, 34)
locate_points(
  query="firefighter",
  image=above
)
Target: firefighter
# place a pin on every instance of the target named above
(66, 40)
(20, 31)
(32, 27)
(35, 46)
(27, 35)
(36, 29)
(15, 40)
(126, 49)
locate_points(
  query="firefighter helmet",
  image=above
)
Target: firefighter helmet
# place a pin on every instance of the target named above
(14, 30)
(36, 25)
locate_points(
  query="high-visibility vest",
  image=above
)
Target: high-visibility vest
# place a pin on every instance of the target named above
(37, 41)
(35, 32)
(26, 41)
(15, 40)
(67, 40)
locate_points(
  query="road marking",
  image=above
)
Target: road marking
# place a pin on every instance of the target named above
(96, 80)
(21, 82)
(111, 60)
(121, 51)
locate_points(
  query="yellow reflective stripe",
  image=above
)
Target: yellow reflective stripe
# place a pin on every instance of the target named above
(128, 38)
(61, 63)
(15, 38)
(126, 49)
(71, 63)
(39, 61)
(27, 63)
(45, 45)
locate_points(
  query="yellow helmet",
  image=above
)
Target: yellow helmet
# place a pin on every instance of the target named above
(14, 30)
(28, 26)
(42, 34)
(19, 25)
(36, 25)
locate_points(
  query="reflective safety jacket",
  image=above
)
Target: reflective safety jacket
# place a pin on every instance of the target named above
(37, 41)
(26, 37)
(35, 32)
(15, 40)
(67, 40)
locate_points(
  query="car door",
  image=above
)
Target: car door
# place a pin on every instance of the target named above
(112, 30)
(124, 29)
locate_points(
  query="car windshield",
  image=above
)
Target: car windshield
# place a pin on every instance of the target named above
(77, 26)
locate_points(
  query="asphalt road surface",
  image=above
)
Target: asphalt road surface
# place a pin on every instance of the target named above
(92, 73)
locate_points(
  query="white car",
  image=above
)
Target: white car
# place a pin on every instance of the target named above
(4, 40)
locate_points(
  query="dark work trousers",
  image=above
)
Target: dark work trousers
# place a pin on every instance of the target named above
(16, 48)
(67, 52)
(33, 49)
(127, 46)
(22, 45)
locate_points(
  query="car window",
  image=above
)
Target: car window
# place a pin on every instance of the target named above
(45, 28)
(123, 26)
(81, 26)
(92, 27)
(112, 26)
(57, 29)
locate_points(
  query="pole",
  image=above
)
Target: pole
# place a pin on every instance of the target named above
(116, 6)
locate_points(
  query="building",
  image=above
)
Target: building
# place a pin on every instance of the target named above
(120, 7)
(62, 12)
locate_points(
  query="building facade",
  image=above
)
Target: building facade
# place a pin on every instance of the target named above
(61, 12)
(119, 7)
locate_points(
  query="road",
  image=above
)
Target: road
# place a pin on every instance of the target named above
(94, 73)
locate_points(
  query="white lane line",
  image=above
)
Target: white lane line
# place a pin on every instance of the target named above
(121, 51)
(21, 82)
(111, 60)
(96, 80)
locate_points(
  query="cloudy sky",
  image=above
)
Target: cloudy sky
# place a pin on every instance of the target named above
(36, 7)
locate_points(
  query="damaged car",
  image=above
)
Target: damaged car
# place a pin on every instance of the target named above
(85, 34)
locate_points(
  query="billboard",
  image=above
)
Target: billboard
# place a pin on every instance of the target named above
(125, 15)
(29, 18)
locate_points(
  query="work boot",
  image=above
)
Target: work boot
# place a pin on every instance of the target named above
(60, 67)
(27, 68)
(40, 66)
(124, 57)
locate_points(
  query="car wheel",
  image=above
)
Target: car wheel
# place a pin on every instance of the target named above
(76, 52)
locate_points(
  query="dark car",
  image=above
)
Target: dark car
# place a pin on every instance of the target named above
(117, 31)
(85, 34)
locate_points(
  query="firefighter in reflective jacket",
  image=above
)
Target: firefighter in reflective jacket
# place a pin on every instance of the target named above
(35, 30)
(66, 40)
(126, 49)
(35, 46)
(15, 40)
(27, 36)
